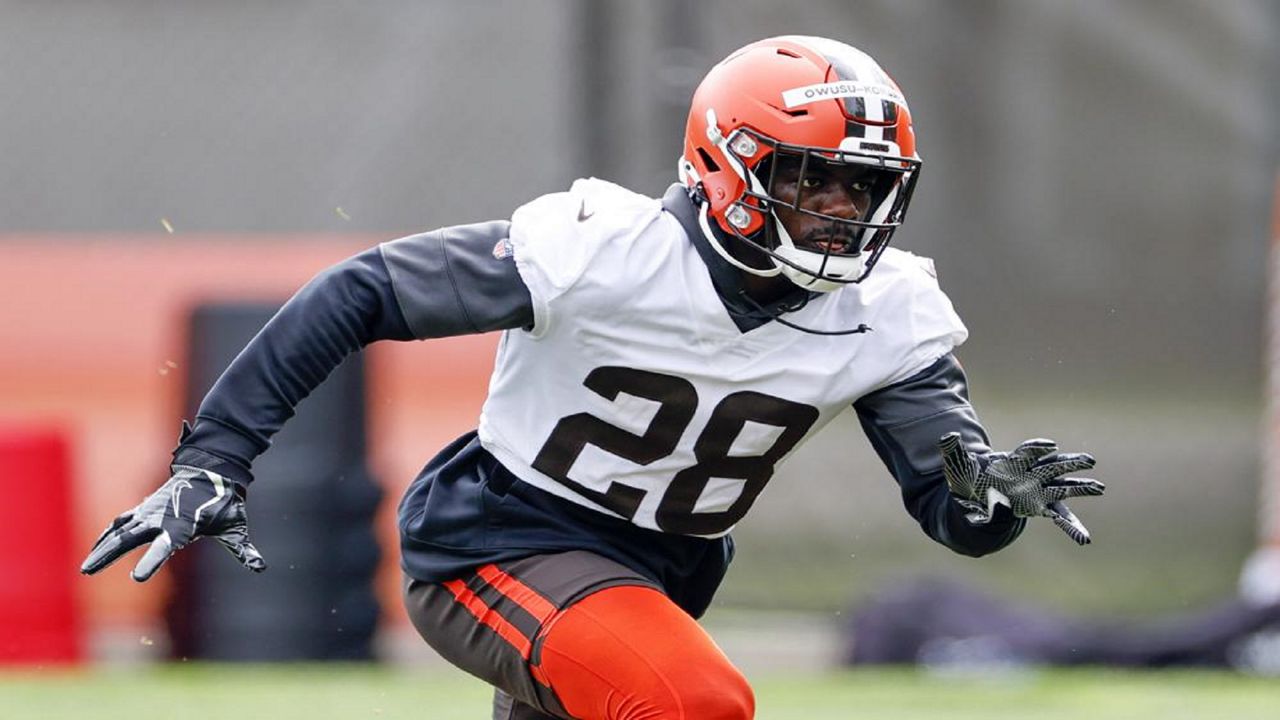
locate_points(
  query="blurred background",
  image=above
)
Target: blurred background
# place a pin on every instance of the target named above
(1098, 190)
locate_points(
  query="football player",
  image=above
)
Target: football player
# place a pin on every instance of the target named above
(659, 358)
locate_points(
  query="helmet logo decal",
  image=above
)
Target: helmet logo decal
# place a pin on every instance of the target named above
(796, 97)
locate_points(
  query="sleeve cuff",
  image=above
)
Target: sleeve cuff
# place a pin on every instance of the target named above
(978, 540)
(213, 446)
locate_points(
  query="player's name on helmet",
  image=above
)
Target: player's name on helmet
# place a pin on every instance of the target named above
(825, 91)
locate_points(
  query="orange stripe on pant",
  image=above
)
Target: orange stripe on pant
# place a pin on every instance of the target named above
(489, 617)
(519, 593)
(527, 598)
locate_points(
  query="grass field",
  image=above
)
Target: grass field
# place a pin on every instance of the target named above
(332, 692)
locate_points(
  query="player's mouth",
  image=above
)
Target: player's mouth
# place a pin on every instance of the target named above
(829, 244)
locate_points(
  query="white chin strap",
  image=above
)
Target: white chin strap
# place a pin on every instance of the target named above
(822, 273)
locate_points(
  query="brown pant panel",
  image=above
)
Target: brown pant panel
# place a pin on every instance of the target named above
(455, 632)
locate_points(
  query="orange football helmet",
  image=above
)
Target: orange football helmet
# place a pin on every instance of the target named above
(809, 101)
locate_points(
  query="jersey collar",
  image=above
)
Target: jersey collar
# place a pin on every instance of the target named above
(726, 279)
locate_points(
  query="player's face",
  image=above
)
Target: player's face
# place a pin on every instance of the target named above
(836, 189)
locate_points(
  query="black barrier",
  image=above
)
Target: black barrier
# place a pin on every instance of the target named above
(311, 511)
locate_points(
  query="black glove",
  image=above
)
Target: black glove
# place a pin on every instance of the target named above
(1028, 481)
(194, 502)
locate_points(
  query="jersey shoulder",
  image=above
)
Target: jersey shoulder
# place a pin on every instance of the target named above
(902, 269)
(899, 280)
(556, 236)
(912, 318)
(587, 199)
(595, 235)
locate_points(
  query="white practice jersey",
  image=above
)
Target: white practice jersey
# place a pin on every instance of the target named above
(635, 394)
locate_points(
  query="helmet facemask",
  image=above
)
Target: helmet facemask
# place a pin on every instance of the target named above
(843, 250)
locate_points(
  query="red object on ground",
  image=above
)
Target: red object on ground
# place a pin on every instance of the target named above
(39, 617)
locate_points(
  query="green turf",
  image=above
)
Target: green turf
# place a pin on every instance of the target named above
(324, 692)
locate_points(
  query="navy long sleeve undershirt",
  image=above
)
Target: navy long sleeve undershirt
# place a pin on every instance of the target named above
(904, 422)
(340, 311)
(437, 284)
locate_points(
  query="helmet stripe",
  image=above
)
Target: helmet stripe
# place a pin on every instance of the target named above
(890, 110)
(845, 70)
(872, 112)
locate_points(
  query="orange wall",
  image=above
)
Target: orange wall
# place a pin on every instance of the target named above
(92, 341)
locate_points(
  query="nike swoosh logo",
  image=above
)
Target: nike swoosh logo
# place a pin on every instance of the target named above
(177, 493)
(218, 491)
(583, 215)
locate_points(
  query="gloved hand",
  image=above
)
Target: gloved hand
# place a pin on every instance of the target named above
(192, 503)
(1028, 481)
